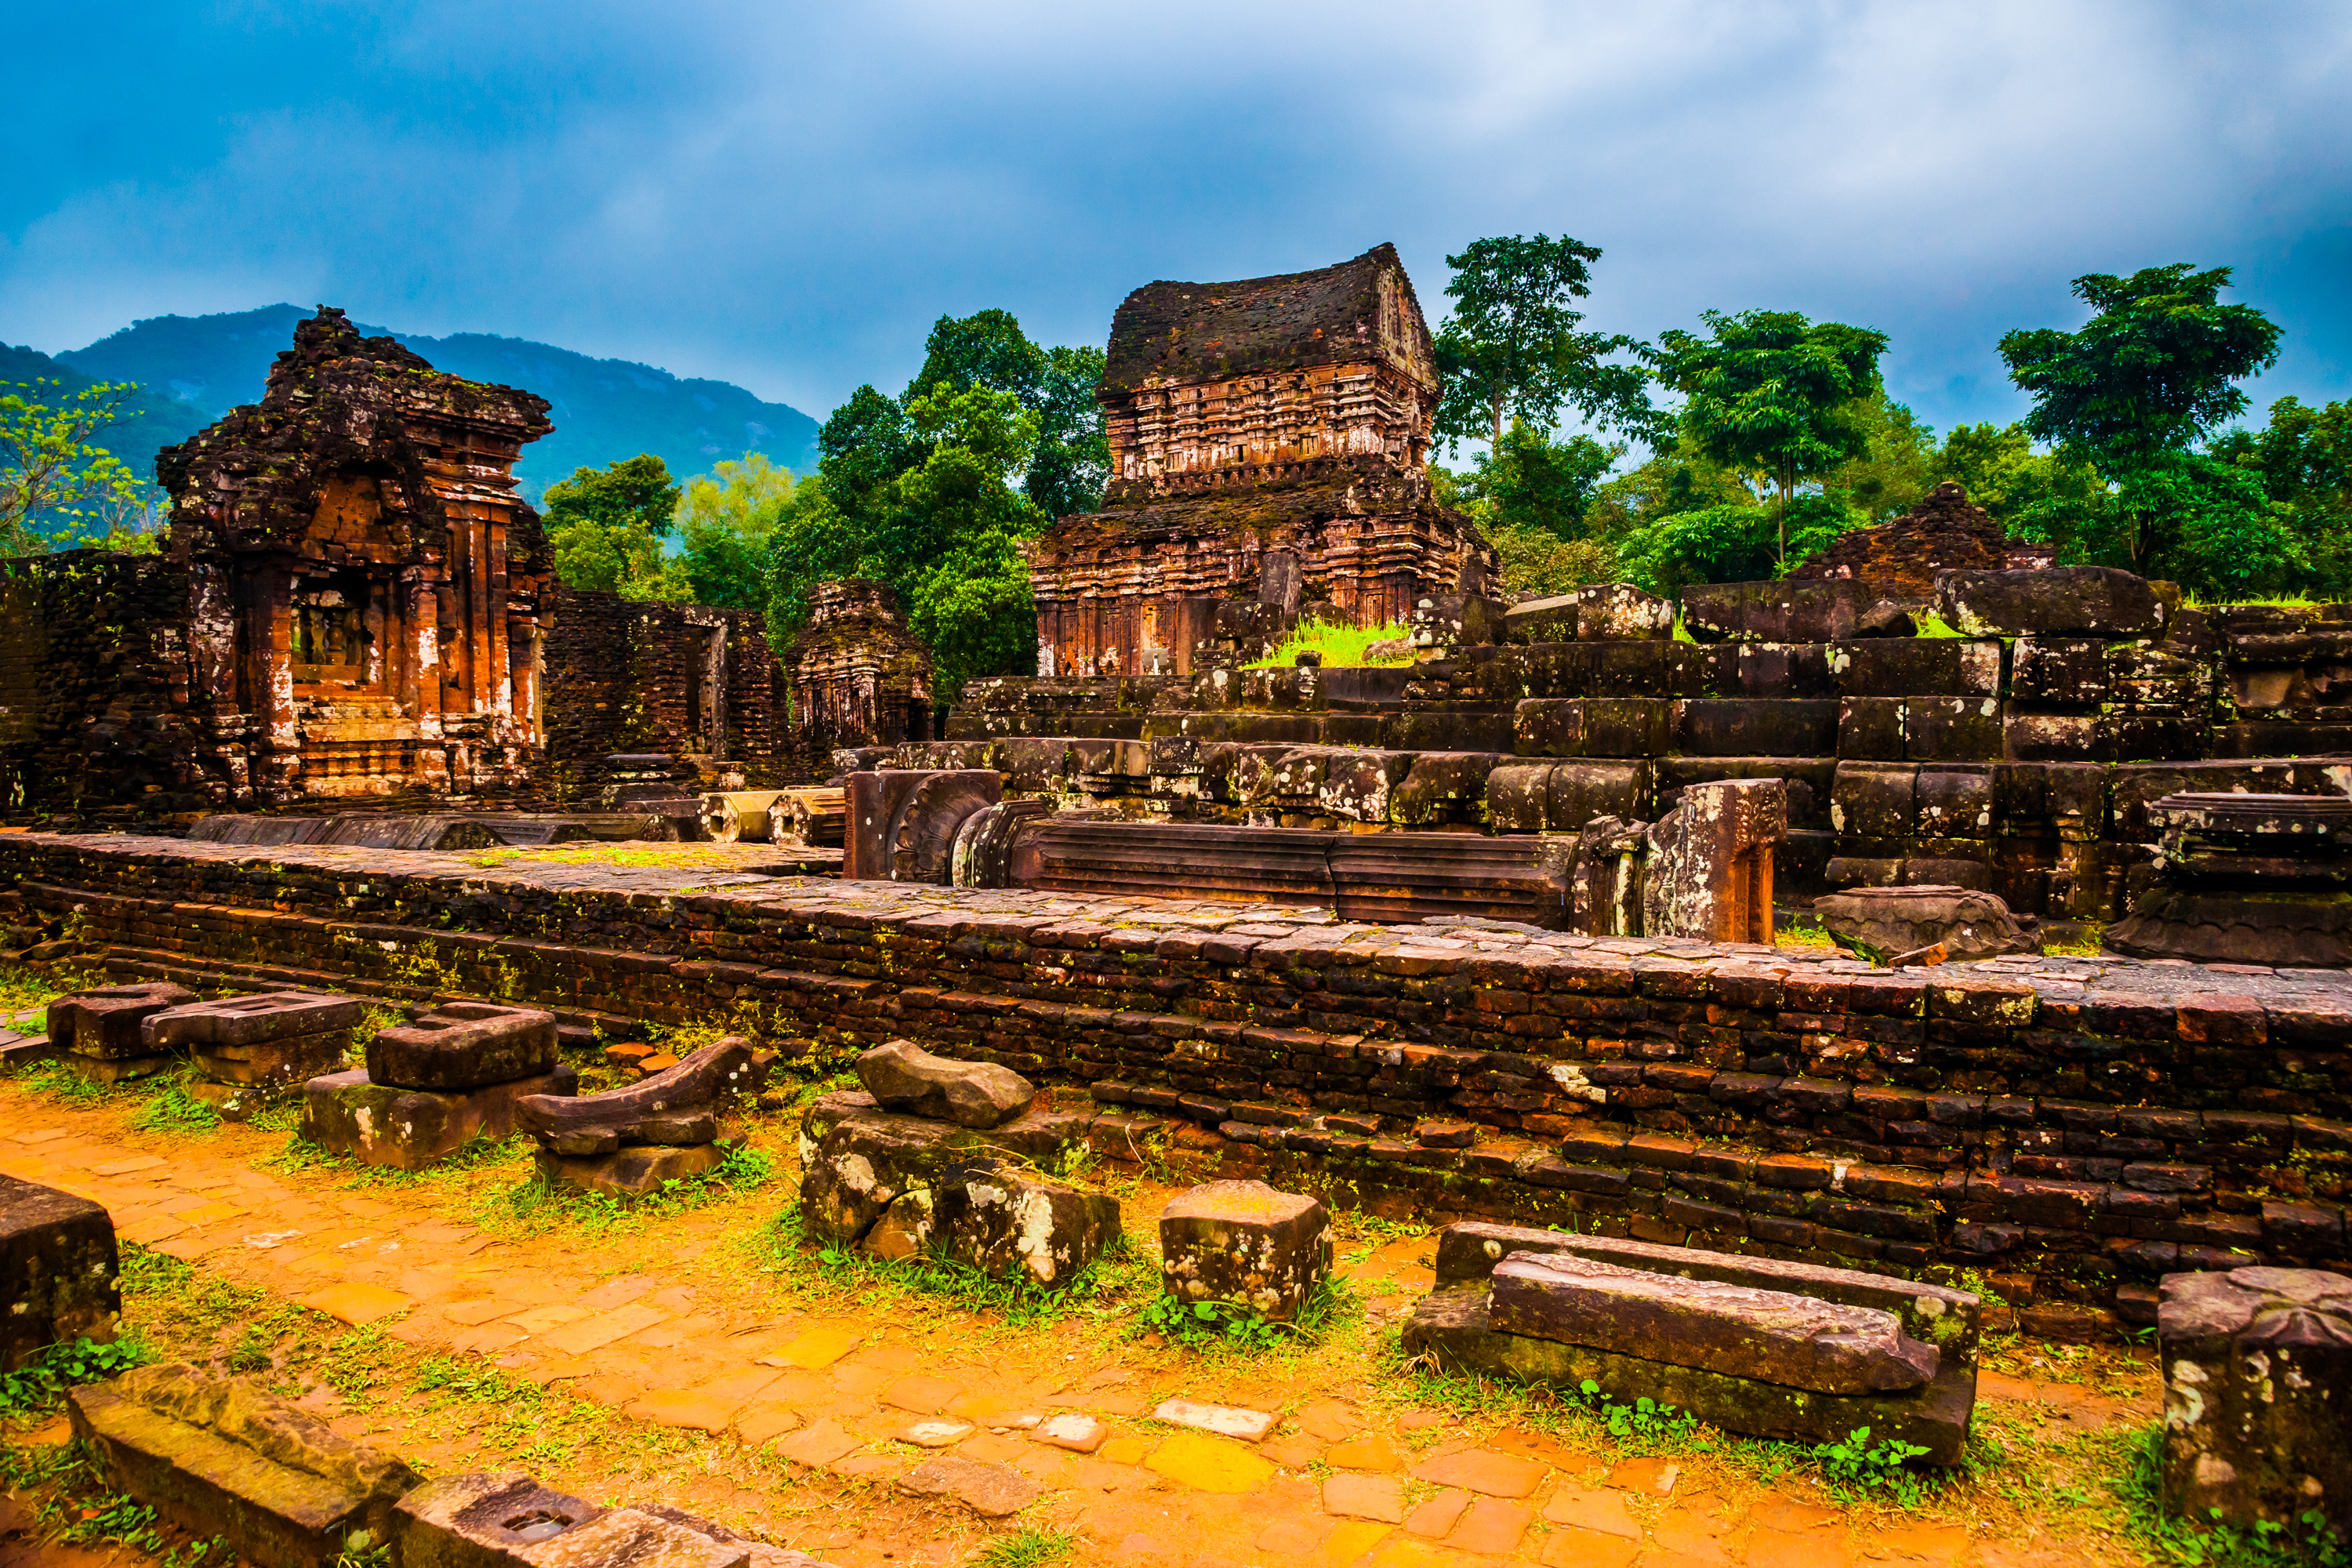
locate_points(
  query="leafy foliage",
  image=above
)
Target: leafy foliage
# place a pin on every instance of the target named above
(1235, 1325)
(1512, 350)
(607, 527)
(724, 525)
(43, 1380)
(1030, 1547)
(58, 489)
(1775, 392)
(1857, 1466)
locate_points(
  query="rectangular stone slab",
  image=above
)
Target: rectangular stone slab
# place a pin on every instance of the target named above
(231, 1021)
(408, 1128)
(464, 1045)
(1452, 1329)
(1797, 1342)
(1468, 1250)
(268, 1513)
(58, 1270)
(105, 1022)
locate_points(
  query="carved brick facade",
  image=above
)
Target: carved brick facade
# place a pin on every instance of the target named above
(859, 677)
(1285, 415)
(365, 585)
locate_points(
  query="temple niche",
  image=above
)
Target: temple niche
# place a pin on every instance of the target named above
(365, 585)
(1269, 441)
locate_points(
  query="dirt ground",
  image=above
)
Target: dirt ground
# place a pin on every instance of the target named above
(699, 1352)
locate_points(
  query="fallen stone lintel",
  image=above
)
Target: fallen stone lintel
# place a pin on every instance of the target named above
(670, 1107)
(1451, 1327)
(632, 1172)
(1774, 1336)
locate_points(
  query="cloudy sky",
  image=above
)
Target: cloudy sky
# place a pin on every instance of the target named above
(786, 197)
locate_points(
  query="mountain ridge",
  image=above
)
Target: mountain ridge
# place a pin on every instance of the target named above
(193, 369)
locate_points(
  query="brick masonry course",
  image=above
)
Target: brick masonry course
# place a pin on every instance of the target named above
(2074, 1128)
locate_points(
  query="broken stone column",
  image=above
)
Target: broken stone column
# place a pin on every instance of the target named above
(435, 1084)
(96, 1032)
(2257, 1363)
(58, 1271)
(740, 817)
(218, 1457)
(625, 1143)
(250, 1048)
(1246, 1243)
(1709, 872)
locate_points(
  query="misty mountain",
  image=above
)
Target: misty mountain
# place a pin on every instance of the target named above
(193, 369)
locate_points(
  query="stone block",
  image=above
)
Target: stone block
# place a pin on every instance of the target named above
(408, 1128)
(1594, 727)
(1871, 729)
(2076, 601)
(1562, 797)
(273, 1064)
(1781, 1337)
(1709, 872)
(2059, 670)
(1897, 666)
(1783, 669)
(631, 1171)
(1443, 785)
(58, 1270)
(1952, 730)
(2029, 737)
(463, 1045)
(219, 1457)
(220, 1026)
(1809, 780)
(2255, 1364)
(104, 1023)
(903, 1076)
(115, 1070)
(1741, 727)
(1244, 1242)
(482, 1520)
(1012, 1224)
(1955, 803)
(1452, 1325)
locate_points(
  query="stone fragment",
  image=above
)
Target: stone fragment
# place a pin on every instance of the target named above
(2256, 1362)
(218, 1457)
(991, 1491)
(1378, 1498)
(632, 1172)
(58, 1270)
(1881, 922)
(227, 1022)
(1796, 1341)
(676, 1107)
(903, 1076)
(934, 1434)
(1223, 1420)
(464, 1045)
(482, 1520)
(1010, 1224)
(2097, 601)
(105, 1022)
(1243, 1242)
(1481, 1470)
(1709, 869)
(408, 1128)
(1078, 1433)
(635, 1538)
(904, 1230)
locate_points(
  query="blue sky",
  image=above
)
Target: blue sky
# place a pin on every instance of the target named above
(786, 197)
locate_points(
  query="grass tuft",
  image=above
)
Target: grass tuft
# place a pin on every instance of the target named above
(1343, 646)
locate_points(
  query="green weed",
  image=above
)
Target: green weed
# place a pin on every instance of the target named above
(1856, 1468)
(1234, 1325)
(1343, 646)
(172, 1109)
(74, 1504)
(43, 1380)
(1028, 1548)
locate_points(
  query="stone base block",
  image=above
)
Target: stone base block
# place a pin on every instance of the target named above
(294, 1061)
(630, 1171)
(1451, 1326)
(510, 1520)
(116, 1070)
(235, 1101)
(217, 1457)
(1012, 1225)
(58, 1270)
(2256, 1362)
(1247, 1243)
(408, 1128)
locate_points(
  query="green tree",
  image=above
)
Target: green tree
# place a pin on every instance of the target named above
(1773, 392)
(1070, 463)
(1512, 349)
(2304, 461)
(1528, 481)
(2133, 392)
(58, 489)
(724, 524)
(606, 528)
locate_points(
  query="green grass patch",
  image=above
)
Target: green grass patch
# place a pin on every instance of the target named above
(73, 1503)
(170, 1108)
(1343, 646)
(1236, 1326)
(1029, 1548)
(534, 1205)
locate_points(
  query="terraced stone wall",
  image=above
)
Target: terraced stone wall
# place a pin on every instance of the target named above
(2074, 1128)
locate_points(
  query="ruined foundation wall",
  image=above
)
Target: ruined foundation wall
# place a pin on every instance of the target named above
(94, 717)
(2077, 1138)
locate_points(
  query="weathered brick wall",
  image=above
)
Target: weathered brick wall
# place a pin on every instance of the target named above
(2077, 1133)
(94, 691)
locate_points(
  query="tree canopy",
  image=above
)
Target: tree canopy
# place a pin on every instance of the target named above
(1512, 350)
(606, 528)
(58, 489)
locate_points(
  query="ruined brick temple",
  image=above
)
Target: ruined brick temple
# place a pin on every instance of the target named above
(1269, 442)
(859, 677)
(352, 605)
